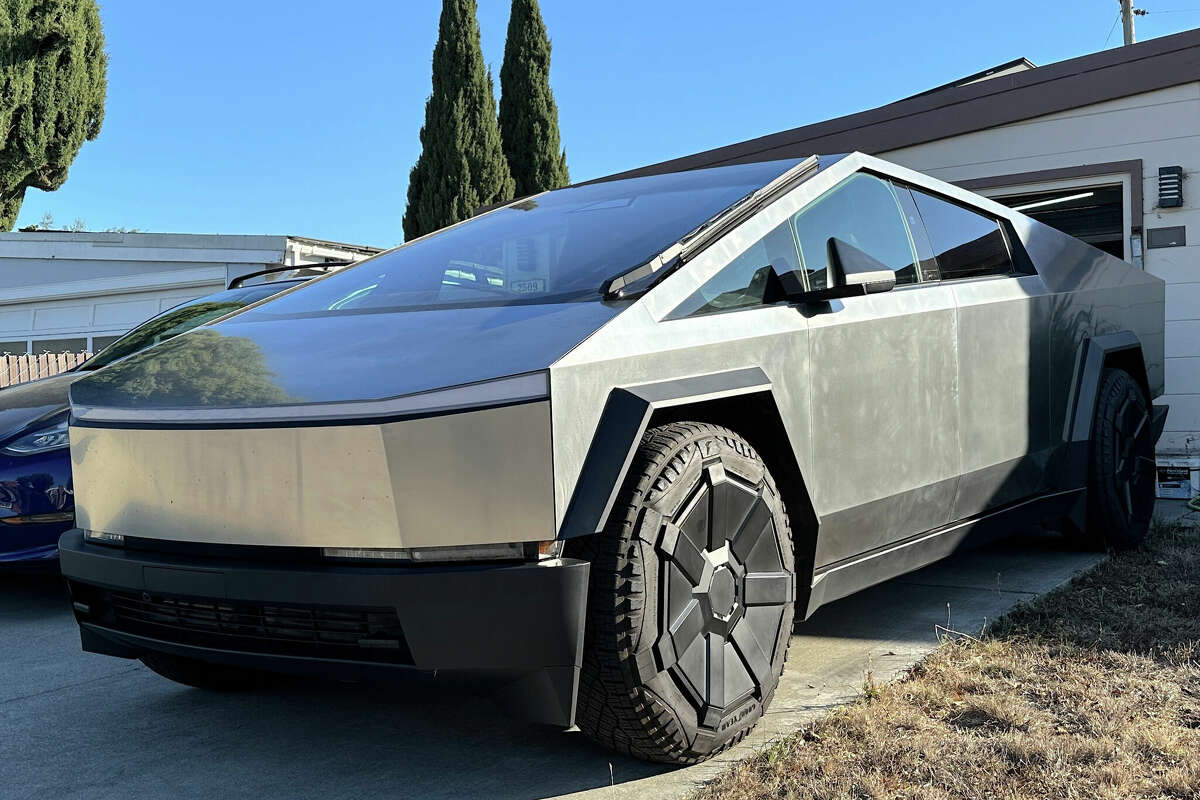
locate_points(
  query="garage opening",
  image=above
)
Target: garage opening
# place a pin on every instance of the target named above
(1095, 214)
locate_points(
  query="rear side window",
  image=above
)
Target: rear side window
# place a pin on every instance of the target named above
(862, 211)
(929, 270)
(966, 244)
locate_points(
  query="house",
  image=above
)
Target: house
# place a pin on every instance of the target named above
(72, 292)
(1101, 146)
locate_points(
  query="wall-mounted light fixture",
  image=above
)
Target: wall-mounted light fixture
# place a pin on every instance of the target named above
(1170, 187)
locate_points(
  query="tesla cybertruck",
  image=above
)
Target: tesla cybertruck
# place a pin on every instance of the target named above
(593, 448)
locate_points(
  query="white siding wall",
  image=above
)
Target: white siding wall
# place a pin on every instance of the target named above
(1162, 128)
(80, 285)
(111, 315)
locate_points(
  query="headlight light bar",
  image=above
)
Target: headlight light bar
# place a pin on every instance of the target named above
(505, 551)
(104, 537)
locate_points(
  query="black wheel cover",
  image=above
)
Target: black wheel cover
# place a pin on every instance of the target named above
(690, 600)
(724, 591)
(1132, 468)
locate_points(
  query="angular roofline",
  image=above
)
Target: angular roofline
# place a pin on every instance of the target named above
(958, 109)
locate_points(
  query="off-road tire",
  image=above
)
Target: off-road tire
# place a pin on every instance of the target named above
(1120, 501)
(207, 675)
(660, 606)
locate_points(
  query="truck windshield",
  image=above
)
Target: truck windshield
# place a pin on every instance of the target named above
(556, 247)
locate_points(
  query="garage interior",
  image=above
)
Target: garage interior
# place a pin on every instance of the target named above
(1094, 214)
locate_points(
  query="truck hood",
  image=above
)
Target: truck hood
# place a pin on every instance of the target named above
(257, 359)
(26, 403)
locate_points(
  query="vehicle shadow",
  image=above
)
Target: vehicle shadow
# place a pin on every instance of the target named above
(957, 594)
(412, 738)
(1141, 602)
(32, 595)
(417, 737)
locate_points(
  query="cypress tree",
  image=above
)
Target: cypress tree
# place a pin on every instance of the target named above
(52, 84)
(528, 113)
(462, 165)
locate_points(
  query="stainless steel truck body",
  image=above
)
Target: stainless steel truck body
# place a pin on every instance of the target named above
(596, 446)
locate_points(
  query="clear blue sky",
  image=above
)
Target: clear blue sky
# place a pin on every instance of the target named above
(302, 117)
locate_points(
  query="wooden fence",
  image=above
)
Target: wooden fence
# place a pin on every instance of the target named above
(18, 369)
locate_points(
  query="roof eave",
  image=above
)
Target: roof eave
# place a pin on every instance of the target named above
(956, 110)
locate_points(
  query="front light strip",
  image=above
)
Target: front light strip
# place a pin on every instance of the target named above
(506, 551)
(104, 537)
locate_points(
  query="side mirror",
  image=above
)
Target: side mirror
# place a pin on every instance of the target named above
(851, 267)
(851, 273)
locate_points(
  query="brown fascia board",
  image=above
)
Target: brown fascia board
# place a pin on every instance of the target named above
(978, 76)
(1107, 75)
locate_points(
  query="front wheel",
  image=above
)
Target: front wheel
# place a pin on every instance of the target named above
(691, 599)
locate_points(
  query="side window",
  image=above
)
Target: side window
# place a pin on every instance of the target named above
(967, 244)
(743, 282)
(920, 237)
(862, 211)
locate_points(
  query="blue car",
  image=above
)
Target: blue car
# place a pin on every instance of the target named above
(37, 503)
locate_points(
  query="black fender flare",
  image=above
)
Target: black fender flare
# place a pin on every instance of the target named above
(626, 416)
(1094, 353)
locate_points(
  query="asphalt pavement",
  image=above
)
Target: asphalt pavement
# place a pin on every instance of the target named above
(78, 725)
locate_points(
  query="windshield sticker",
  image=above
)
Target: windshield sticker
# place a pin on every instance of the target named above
(528, 286)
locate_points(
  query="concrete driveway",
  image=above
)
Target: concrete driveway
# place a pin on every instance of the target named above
(76, 725)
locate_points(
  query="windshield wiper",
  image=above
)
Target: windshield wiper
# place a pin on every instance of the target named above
(699, 238)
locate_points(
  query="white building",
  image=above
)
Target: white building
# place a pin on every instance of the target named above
(1101, 146)
(71, 292)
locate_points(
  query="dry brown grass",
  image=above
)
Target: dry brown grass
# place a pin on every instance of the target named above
(1092, 691)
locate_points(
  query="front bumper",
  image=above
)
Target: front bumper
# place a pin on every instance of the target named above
(517, 628)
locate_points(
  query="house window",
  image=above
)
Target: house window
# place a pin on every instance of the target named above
(101, 342)
(77, 345)
(14, 348)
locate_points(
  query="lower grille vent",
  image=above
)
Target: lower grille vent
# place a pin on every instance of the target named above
(317, 631)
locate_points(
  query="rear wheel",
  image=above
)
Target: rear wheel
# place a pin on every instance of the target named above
(1121, 467)
(691, 599)
(206, 675)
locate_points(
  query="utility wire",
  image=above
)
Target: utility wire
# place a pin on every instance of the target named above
(1110, 30)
